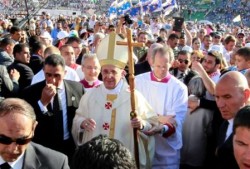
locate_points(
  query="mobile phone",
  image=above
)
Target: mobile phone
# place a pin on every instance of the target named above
(178, 21)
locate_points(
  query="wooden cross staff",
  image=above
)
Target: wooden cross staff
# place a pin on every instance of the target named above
(133, 114)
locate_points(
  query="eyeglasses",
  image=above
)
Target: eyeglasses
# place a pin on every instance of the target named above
(217, 37)
(20, 141)
(185, 61)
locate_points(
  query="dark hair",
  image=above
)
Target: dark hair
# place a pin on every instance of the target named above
(242, 118)
(73, 39)
(6, 41)
(55, 60)
(36, 47)
(16, 105)
(229, 38)
(184, 52)
(33, 39)
(19, 48)
(142, 33)
(244, 52)
(173, 36)
(14, 29)
(217, 55)
(194, 39)
(102, 153)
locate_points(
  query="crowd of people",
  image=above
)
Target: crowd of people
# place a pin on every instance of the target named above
(227, 10)
(64, 86)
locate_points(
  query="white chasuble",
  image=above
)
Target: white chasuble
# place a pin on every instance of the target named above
(113, 119)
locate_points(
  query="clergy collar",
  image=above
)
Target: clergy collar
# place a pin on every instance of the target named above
(164, 80)
(90, 84)
(116, 90)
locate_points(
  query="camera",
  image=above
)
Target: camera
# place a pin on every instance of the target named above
(128, 20)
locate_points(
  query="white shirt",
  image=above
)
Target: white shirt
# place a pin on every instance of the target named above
(227, 55)
(18, 164)
(229, 128)
(69, 75)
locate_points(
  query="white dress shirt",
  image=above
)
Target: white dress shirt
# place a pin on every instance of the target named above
(69, 75)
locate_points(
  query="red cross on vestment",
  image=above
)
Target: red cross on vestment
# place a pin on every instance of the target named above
(105, 126)
(108, 105)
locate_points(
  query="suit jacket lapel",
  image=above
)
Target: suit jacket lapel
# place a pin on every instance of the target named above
(68, 93)
(31, 160)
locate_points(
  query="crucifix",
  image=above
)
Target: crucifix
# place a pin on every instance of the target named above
(133, 114)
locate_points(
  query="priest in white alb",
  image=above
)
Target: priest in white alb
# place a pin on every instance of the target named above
(106, 108)
(168, 96)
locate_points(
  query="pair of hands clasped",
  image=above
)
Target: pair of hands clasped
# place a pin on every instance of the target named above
(157, 127)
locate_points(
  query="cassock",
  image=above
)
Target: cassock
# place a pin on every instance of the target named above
(111, 111)
(167, 97)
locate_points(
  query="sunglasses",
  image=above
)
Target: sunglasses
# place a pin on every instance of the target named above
(185, 61)
(20, 141)
(241, 37)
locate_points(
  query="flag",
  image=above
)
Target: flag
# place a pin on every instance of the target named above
(237, 18)
(134, 11)
(112, 12)
(127, 6)
(169, 6)
(155, 5)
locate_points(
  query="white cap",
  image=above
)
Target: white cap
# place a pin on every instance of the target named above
(217, 48)
(83, 31)
(247, 45)
(62, 35)
(45, 35)
(187, 48)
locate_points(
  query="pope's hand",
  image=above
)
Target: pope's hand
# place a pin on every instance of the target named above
(168, 119)
(137, 123)
(88, 124)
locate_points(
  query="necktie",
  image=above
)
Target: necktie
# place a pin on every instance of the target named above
(58, 112)
(181, 76)
(5, 166)
(223, 131)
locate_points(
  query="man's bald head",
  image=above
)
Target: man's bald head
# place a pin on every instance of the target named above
(234, 77)
(232, 93)
(247, 75)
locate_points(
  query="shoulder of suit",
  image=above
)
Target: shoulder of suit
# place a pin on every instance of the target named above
(41, 150)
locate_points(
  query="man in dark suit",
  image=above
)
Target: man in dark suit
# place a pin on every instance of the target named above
(232, 93)
(6, 51)
(22, 58)
(55, 101)
(18, 123)
(36, 59)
